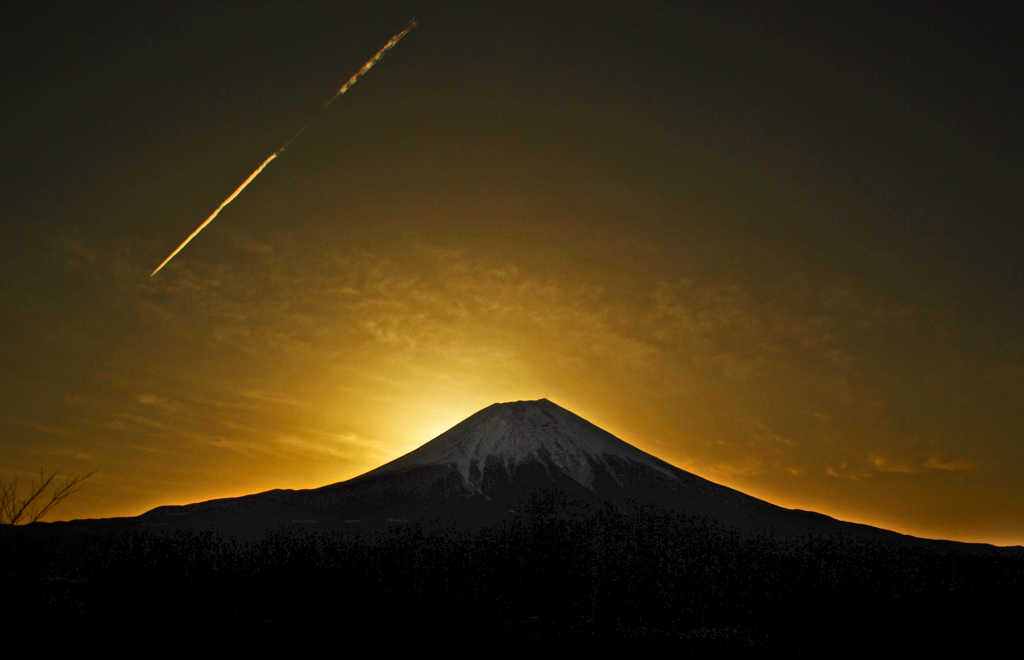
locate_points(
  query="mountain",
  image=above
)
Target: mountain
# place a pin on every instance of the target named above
(522, 527)
(508, 460)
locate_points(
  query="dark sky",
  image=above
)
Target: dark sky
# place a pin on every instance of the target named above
(778, 245)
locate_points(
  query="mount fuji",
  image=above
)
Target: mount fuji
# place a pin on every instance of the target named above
(508, 460)
(522, 526)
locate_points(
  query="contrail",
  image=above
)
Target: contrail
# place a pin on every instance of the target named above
(344, 88)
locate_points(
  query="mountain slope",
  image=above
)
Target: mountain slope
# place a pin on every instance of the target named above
(524, 523)
(508, 460)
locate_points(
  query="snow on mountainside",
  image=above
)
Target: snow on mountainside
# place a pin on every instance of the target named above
(489, 464)
(521, 432)
(509, 438)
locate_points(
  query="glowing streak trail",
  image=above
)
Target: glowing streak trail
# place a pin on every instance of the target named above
(344, 88)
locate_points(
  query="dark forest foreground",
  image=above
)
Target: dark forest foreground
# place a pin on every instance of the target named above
(611, 583)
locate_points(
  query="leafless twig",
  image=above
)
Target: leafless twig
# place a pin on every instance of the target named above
(30, 509)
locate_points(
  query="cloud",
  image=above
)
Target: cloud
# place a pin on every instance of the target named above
(248, 448)
(747, 468)
(419, 300)
(56, 431)
(843, 471)
(885, 464)
(77, 254)
(272, 398)
(762, 433)
(716, 345)
(138, 424)
(740, 327)
(158, 402)
(346, 446)
(951, 465)
(880, 463)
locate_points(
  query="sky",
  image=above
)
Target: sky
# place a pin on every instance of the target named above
(777, 245)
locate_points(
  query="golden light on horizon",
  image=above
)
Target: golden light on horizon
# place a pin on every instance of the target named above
(726, 263)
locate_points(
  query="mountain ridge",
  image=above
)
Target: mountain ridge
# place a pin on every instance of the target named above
(487, 467)
(524, 523)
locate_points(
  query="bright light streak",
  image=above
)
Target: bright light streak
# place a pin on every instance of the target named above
(344, 88)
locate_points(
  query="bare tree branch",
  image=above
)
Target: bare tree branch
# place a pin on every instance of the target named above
(8, 492)
(16, 512)
(28, 505)
(71, 485)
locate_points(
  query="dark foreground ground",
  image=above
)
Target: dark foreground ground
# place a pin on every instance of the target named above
(618, 585)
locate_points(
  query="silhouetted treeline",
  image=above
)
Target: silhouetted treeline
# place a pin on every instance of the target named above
(597, 581)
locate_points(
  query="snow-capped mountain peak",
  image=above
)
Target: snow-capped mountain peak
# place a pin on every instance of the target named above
(524, 431)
